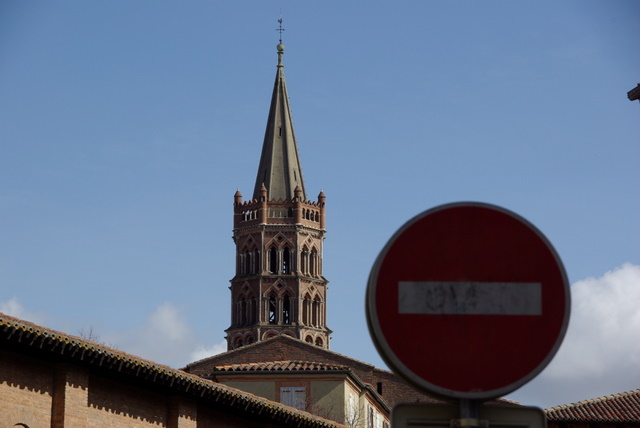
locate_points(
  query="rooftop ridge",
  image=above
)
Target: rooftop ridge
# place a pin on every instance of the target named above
(596, 399)
(285, 365)
(281, 337)
(620, 407)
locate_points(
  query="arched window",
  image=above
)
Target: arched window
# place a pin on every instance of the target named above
(306, 309)
(309, 339)
(314, 263)
(286, 310)
(286, 261)
(255, 261)
(319, 341)
(273, 261)
(305, 260)
(273, 314)
(243, 311)
(251, 310)
(315, 313)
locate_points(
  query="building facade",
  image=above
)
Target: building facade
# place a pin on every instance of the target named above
(278, 287)
(52, 379)
(331, 391)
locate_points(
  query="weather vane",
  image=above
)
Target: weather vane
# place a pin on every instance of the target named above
(280, 29)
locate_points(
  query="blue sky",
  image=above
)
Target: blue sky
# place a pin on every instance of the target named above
(126, 127)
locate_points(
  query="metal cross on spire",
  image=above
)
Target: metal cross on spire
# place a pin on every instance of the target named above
(280, 29)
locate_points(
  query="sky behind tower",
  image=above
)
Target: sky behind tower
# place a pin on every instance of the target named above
(126, 128)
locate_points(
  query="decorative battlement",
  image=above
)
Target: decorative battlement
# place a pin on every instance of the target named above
(253, 212)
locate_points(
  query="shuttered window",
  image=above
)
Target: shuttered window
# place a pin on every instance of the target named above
(294, 396)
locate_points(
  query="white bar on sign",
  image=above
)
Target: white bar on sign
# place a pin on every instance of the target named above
(469, 298)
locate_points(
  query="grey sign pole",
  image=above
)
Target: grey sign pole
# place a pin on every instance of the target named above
(469, 413)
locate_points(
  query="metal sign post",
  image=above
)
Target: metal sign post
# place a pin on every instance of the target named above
(469, 414)
(447, 416)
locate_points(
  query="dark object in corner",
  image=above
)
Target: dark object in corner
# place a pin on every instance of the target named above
(634, 94)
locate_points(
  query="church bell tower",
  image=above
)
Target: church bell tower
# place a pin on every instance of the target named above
(278, 287)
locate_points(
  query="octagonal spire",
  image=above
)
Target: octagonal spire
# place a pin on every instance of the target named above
(279, 168)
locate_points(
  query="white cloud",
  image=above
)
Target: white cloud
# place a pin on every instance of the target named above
(601, 351)
(202, 352)
(165, 337)
(12, 308)
(15, 309)
(604, 328)
(168, 323)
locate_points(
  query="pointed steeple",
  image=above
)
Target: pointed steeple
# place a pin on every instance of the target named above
(279, 169)
(278, 287)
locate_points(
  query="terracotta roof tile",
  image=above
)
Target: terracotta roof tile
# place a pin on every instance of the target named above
(279, 366)
(622, 407)
(243, 349)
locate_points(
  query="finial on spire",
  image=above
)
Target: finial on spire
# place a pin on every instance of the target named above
(280, 29)
(280, 46)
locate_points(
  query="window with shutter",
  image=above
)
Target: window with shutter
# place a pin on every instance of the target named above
(352, 408)
(294, 396)
(371, 418)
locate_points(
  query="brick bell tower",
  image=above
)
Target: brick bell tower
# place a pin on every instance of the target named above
(278, 287)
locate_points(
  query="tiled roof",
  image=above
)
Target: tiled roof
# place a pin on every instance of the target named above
(622, 407)
(280, 337)
(25, 337)
(280, 366)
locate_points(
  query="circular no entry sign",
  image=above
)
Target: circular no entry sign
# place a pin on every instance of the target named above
(468, 300)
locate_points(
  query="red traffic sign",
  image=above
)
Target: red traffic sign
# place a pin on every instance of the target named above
(468, 300)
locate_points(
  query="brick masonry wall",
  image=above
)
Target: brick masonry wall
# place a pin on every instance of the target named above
(26, 390)
(112, 403)
(70, 389)
(210, 417)
(213, 418)
(41, 394)
(182, 413)
(395, 390)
